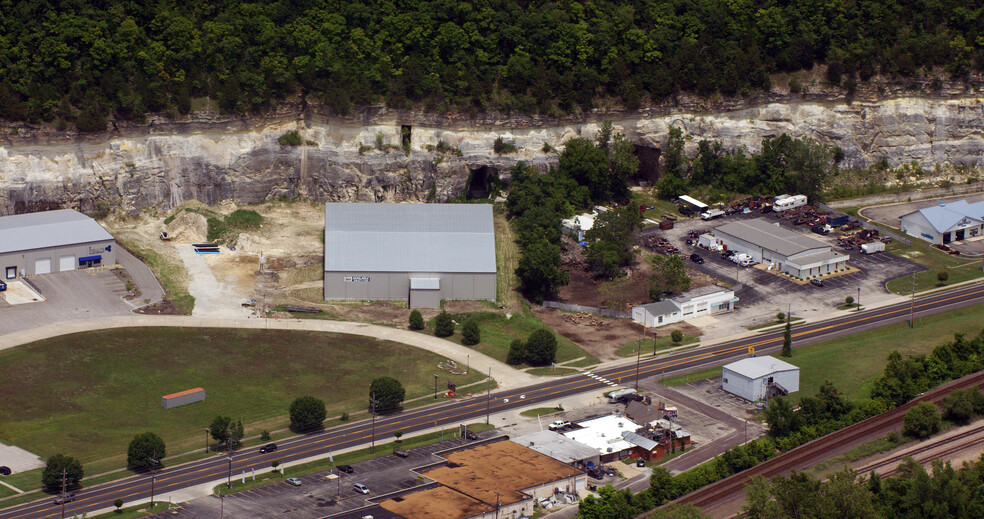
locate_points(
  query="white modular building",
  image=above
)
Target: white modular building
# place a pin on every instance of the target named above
(759, 378)
(787, 202)
(945, 222)
(787, 251)
(707, 300)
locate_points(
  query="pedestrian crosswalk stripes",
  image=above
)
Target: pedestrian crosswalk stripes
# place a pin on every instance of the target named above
(600, 379)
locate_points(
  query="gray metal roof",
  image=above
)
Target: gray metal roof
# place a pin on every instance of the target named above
(772, 237)
(817, 257)
(557, 446)
(639, 440)
(757, 367)
(48, 229)
(664, 307)
(424, 238)
(698, 292)
(946, 215)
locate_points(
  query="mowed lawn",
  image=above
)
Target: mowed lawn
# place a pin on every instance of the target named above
(853, 363)
(88, 394)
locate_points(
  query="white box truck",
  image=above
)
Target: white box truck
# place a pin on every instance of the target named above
(711, 214)
(873, 247)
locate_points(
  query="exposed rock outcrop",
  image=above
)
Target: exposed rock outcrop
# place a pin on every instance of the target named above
(162, 164)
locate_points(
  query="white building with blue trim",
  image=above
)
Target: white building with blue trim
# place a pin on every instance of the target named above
(945, 222)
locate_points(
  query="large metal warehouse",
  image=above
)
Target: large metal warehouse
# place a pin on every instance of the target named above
(52, 241)
(419, 253)
(788, 251)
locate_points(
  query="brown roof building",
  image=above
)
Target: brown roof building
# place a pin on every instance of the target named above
(484, 479)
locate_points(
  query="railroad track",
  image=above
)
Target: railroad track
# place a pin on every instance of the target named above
(954, 444)
(731, 488)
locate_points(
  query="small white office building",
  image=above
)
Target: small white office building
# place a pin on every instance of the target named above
(760, 378)
(945, 222)
(707, 300)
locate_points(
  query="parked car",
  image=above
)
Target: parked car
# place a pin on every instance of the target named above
(3, 286)
(270, 447)
(400, 452)
(346, 469)
(67, 498)
(360, 488)
(559, 425)
(471, 436)
(294, 482)
(596, 473)
(696, 258)
(816, 282)
(4, 471)
(726, 255)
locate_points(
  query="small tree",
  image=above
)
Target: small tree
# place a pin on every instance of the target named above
(235, 433)
(274, 464)
(942, 276)
(344, 417)
(781, 316)
(921, 421)
(145, 451)
(517, 353)
(470, 334)
(51, 476)
(958, 405)
(541, 348)
(118, 503)
(307, 413)
(849, 300)
(676, 336)
(220, 428)
(265, 436)
(388, 394)
(443, 325)
(416, 320)
(398, 434)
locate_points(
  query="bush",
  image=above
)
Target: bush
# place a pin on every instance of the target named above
(848, 300)
(942, 276)
(145, 451)
(344, 417)
(958, 405)
(443, 325)
(118, 503)
(51, 476)
(470, 334)
(416, 320)
(781, 316)
(306, 413)
(502, 147)
(388, 394)
(921, 421)
(291, 138)
(676, 336)
(541, 348)
(517, 353)
(216, 228)
(265, 436)
(243, 219)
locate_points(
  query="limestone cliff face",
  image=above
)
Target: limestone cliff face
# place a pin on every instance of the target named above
(163, 163)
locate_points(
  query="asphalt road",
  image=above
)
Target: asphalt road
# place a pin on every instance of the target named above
(463, 411)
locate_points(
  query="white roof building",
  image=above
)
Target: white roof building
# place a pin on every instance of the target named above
(706, 300)
(788, 251)
(558, 447)
(605, 434)
(758, 378)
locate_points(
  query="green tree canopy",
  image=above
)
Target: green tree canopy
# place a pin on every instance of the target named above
(388, 394)
(922, 421)
(51, 476)
(416, 320)
(668, 276)
(541, 347)
(443, 325)
(470, 333)
(146, 450)
(307, 412)
(219, 429)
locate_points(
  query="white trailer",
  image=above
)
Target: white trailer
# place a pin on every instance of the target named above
(786, 202)
(873, 247)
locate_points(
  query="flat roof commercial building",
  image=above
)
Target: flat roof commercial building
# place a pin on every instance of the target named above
(788, 251)
(52, 241)
(706, 300)
(558, 447)
(759, 378)
(419, 253)
(945, 222)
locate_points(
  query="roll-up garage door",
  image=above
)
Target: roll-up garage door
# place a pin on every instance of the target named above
(66, 263)
(42, 266)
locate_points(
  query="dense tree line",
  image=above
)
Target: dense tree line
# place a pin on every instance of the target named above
(785, 165)
(83, 62)
(906, 378)
(911, 493)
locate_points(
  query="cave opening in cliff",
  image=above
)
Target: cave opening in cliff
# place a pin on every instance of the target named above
(648, 163)
(405, 136)
(480, 182)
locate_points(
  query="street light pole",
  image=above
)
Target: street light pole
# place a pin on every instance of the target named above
(488, 397)
(229, 477)
(207, 430)
(153, 479)
(63, 493)
(372, 411)
(859, 298)
(639, 356)
(435, 386)
(467, 363)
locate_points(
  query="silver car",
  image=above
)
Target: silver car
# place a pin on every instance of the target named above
(360, 488)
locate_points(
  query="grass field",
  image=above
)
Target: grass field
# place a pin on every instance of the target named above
(498, 332)
(506, 261)
(662, 343)
(541, 411)
(861, 358)
(88, 394)
(659, 206)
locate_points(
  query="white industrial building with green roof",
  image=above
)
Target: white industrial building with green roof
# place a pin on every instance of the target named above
(52, 241)
(419, 253)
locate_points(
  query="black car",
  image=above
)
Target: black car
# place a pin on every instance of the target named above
(346, 469)
(4, 471)
(727, 254)
(696, 258)
(270, 447)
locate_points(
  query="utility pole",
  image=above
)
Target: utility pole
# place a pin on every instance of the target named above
(912, 300)
(63, 494)
(859, 298)
(229, 477)
(488, 396)
(372, 411)
(639, 355)
(153, 478)
(207, 430)
(435, 386)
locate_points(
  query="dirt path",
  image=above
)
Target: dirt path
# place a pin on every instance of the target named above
(212, 298)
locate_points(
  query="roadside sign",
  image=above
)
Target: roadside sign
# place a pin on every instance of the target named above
(751, 350)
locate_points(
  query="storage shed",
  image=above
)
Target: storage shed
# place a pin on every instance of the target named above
(419, 253)
(53, 241)
(760, 378)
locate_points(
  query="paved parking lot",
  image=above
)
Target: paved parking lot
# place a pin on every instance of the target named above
(763, 294)
(315, 497)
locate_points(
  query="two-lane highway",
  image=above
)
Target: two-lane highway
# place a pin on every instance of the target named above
(465, 410)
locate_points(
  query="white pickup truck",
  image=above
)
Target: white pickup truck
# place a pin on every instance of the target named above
(559, 425)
